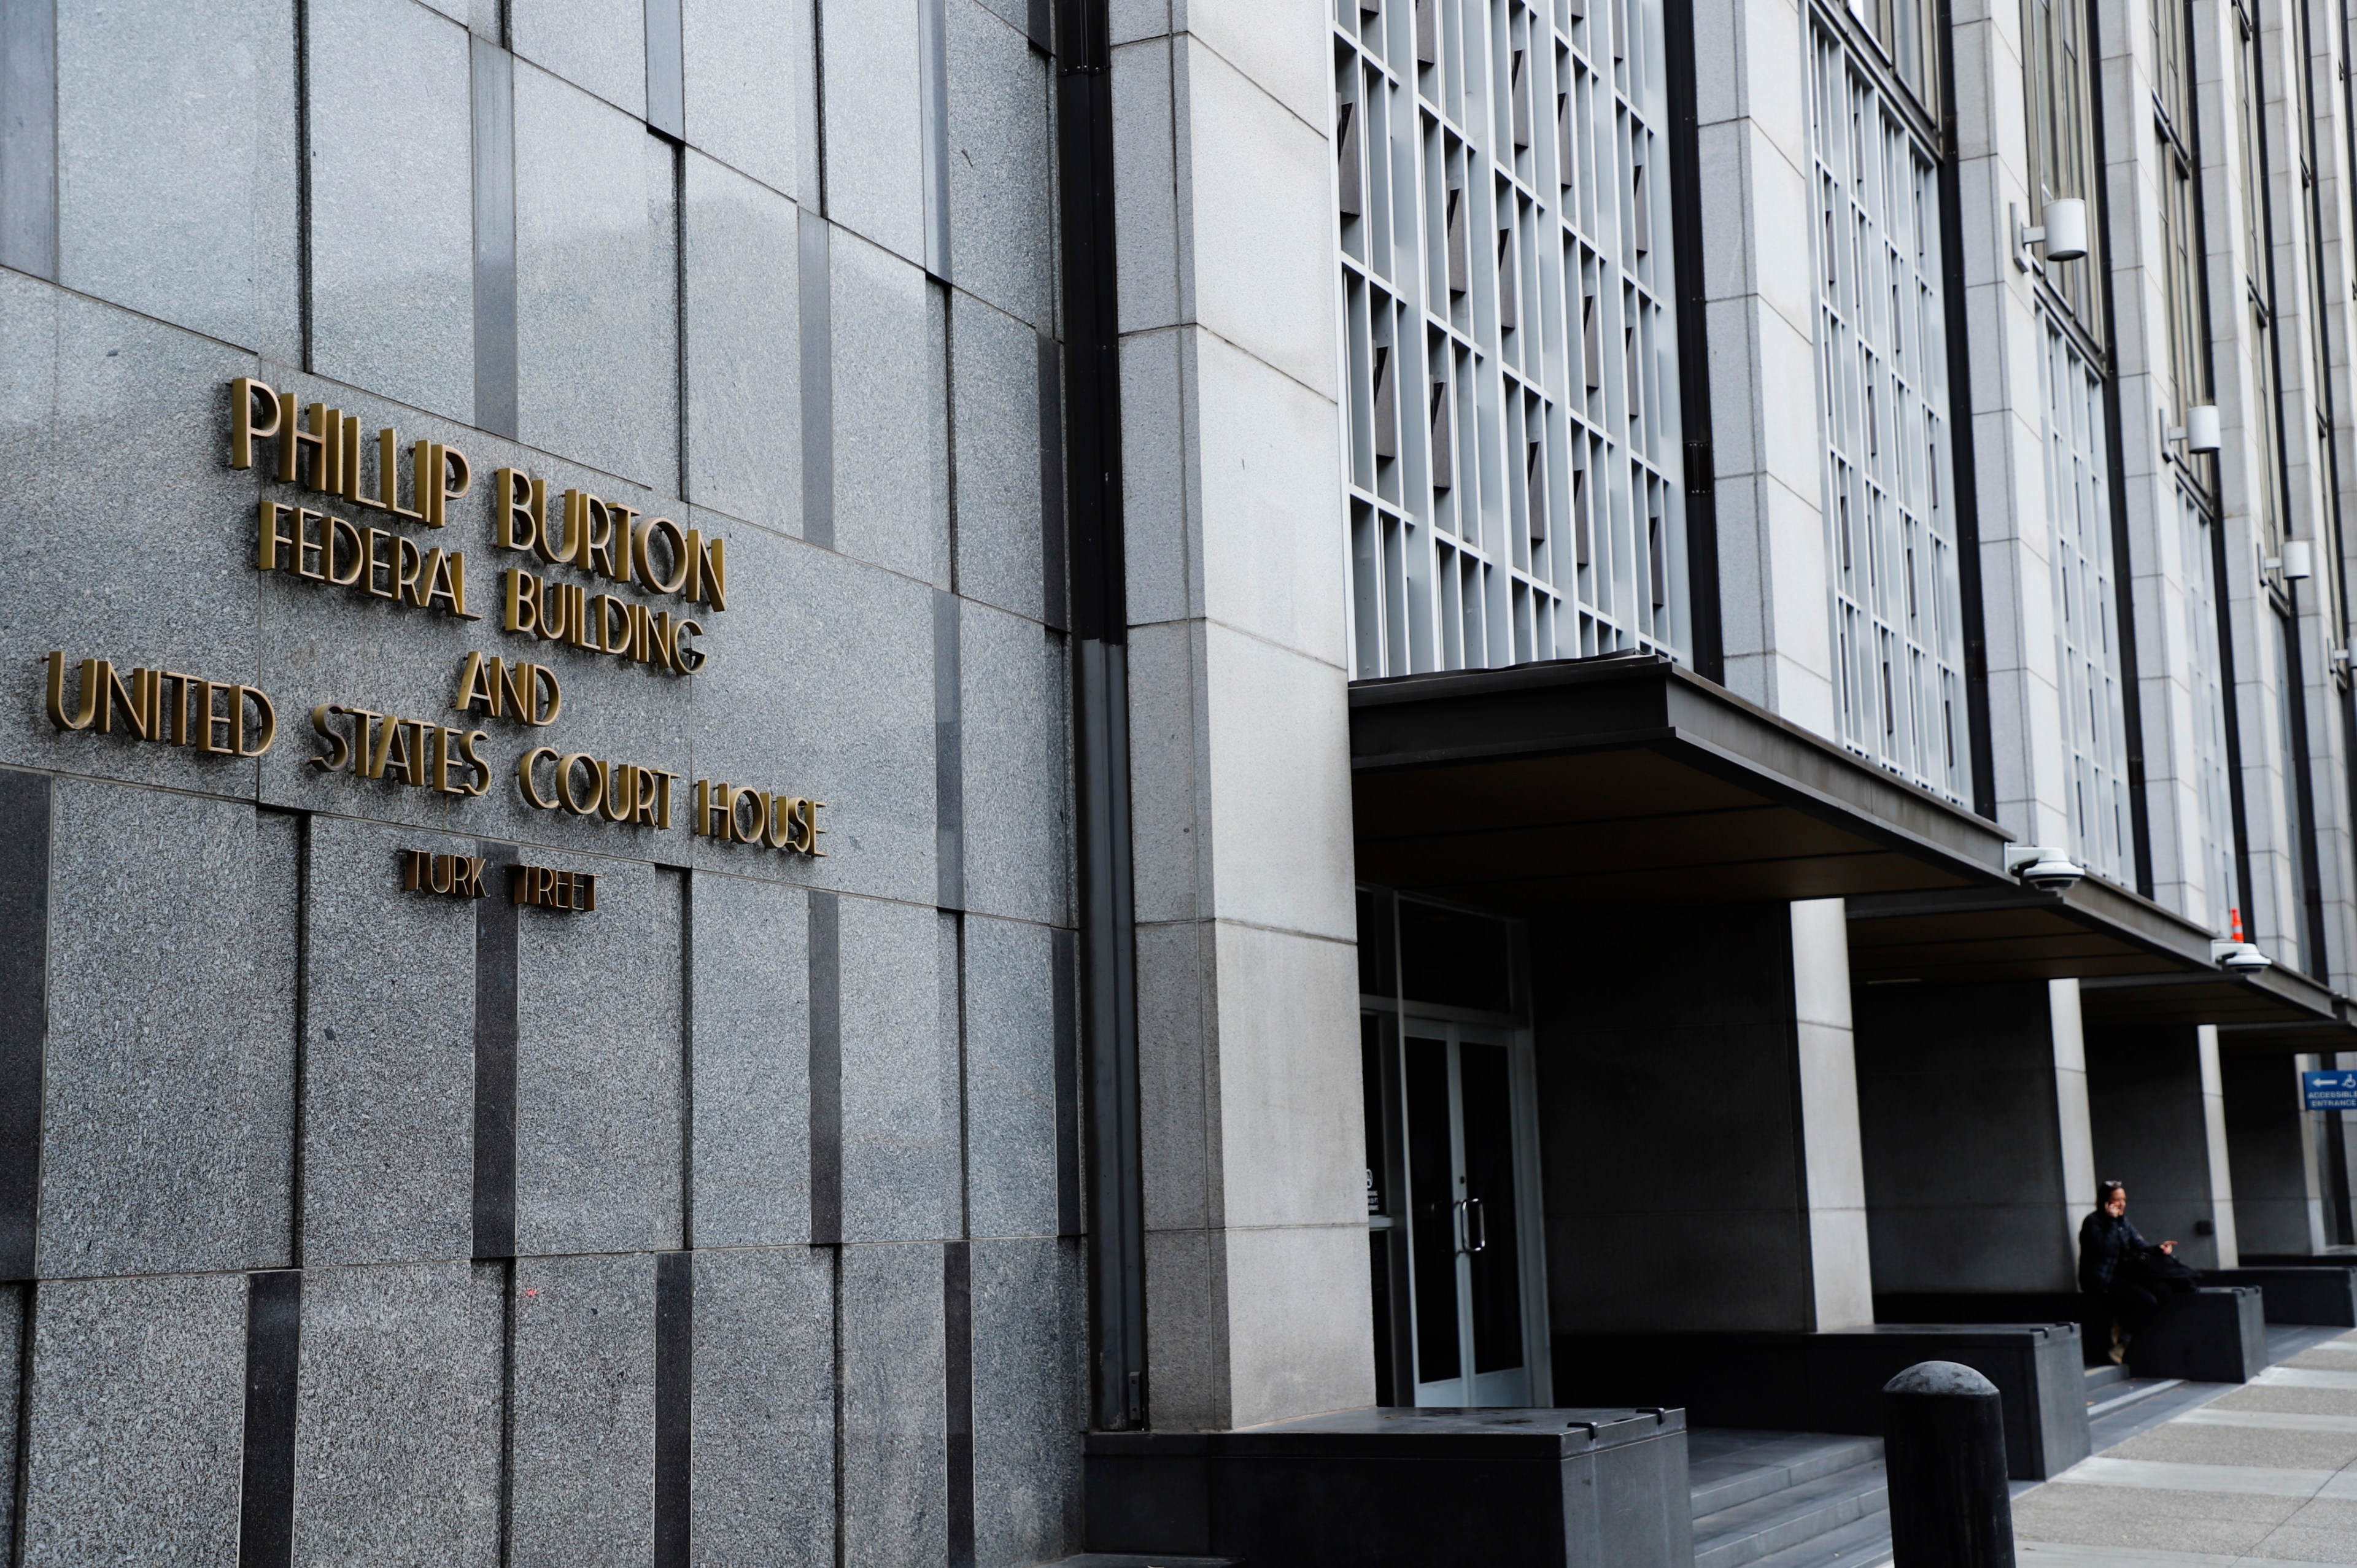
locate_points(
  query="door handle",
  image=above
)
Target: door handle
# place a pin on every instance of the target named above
(1476, 1225)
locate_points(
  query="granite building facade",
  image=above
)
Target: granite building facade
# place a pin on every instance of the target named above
(719, 1209)
(798, 782)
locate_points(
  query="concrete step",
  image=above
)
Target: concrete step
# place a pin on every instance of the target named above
(1863, 1542)
(1727, 1468)
(1780, 1520)
(2104, 1377)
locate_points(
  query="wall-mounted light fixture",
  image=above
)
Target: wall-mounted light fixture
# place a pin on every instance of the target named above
(2199, 431)
(2062, 229)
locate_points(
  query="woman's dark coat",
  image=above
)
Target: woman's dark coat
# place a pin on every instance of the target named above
(2106, 1246)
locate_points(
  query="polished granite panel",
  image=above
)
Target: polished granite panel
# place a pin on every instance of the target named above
(392, 240)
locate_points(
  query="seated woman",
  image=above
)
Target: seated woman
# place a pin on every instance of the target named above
(2127, 1272)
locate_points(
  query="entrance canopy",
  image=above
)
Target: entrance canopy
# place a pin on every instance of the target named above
(1593, 786)
(1595, 789)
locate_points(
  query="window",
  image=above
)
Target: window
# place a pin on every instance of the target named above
(2063, 142)
(2266, 485)
(1511, 351)
(1882, 385)
(2086, 609)
(2214, 816)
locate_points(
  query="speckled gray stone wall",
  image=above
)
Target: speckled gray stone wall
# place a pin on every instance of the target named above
(265, 1087)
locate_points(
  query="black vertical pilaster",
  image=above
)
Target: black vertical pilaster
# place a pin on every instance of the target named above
(23, 1012)
(492, 99)
(1100, 617)
(1706, 639)
(817, 381)
(495, 1060)
(1065, 962)
(825, 1070)
(949, 755)
(273, 1318)
(933, 115)
(1055, 593)
(957, 1364)
(29, 136)
(674, 1404)
(666, 71)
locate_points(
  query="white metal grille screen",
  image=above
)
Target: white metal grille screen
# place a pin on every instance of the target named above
(1509, 352)
(1882, 375)
(2086, 608)
(2215, 828)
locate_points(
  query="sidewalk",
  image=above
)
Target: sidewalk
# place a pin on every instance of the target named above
(2211, 1475)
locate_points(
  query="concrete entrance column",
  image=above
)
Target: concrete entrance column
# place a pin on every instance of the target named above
(1253, 1151)
(1698, 1123)
(2159, 1116)
(1978, 1154)
(2271, 1145)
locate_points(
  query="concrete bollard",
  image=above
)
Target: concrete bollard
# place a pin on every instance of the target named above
(1943, 1443)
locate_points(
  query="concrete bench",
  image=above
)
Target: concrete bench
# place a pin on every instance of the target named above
(1832, 1380)
(2308, 1294)
(2211, 1336)
(1402, 1489)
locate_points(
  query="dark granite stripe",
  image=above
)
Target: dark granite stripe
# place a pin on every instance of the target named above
(666, 71)
(1054, 592)
(818, 382)
(957, 1365)
(933, 113)
(825, 1069)
(674, 1403)
(949, 755)
(495, 1058)
(29, 136)
(273, 1320)
(495, 239)
(24, 1011)
(687, 1057)
(1039, 26)
(1065, 971)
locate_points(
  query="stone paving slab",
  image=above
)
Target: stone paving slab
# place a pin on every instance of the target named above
(2262, 1476)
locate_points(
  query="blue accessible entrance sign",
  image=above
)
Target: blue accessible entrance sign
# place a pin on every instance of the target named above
(2329, 1090)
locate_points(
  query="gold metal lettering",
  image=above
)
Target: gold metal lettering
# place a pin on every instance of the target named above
(478, 686)
(408, 571)
(342, 751)
(244, 394)
(356, 554)
(267, 723)
(641, 550)
(685, 657)
(519, 504)
(352, 456)
(87, 710)
(467, 745)
(522, 601)
(524, 765)
(273, 535)
(388, 478)
(576, 530)
(453, 478)
(321, 444)
(377, 563)
(565, 776)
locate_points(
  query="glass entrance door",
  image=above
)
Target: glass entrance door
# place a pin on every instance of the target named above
(1464, 1220)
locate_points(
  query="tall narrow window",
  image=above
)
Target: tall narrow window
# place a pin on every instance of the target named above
(2205, 670)
(1519, 273)
(2086, 609)
(2062, 141)
(1882, 386)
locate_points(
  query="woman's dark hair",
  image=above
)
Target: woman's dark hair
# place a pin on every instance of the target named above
(2104, 1190)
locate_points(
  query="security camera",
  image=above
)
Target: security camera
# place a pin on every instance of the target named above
(2048, 870)
(2238, 958)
